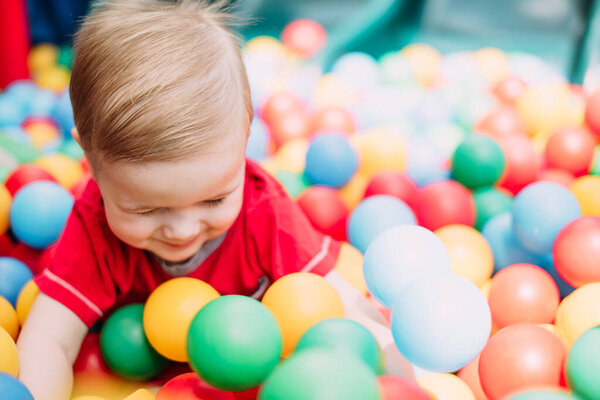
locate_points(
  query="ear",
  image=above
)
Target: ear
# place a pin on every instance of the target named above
(75, 135)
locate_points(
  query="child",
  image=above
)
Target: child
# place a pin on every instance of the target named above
(162, 110)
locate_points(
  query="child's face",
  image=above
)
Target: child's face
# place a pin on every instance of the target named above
(172, 208)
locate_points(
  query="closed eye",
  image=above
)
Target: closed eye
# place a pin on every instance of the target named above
(148, 212)
(215, 202)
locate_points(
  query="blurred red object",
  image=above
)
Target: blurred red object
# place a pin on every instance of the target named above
(13, 51)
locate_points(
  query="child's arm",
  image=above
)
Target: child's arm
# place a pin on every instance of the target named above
(48, 346)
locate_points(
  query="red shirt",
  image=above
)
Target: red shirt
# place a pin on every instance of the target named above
(92, 270)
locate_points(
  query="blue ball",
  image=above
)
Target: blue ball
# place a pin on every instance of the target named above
(330, 160)
(539, 213)
(39, 212)
(505, 247)
(12, 389)
(442, 323)
(63, 114)
(564, 288)
(43, 103)
(11, 114)
(373, 216)
(257, 146)
(13, 276)
(425, 163)
(400, 256)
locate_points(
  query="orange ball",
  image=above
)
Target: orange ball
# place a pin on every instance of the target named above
(523, 293)
(500, 122)
(592, 113)
(559, 176)
(509, 90)
(334, 119)
(278, 105)
(304, 37)
(571, 149)
(523, 162)
(470, 375)
(298, 301)
(576, 251)
(289, 126)
(520, 356)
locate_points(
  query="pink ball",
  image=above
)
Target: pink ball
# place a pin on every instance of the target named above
(393, 184)
(444, 203)
(304, 37)
(325, 209)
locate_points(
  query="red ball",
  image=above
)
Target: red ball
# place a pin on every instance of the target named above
(394, 184)
(279, 104)
(334, 119)
(78, 189)
(523, 162)
(189, 386)
(559, 176)
(304, 37)
(523, 293)
(519, 356)
(571, 149)
(444, 203)
(500, 122)
(288, 126)
(576, 251)
(509, 90)
(25, 174)
(325, 209)
(89, 360)
(592, 113)
(395, 387)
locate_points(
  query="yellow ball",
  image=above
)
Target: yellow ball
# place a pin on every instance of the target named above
(353, 192)
(9, 357)
(485, 288)
(379, 150)
(492, 63)
(42, 56)
(446, 387)
(332, 92)
(169, 311)
(350, 266)
(579, 311)
(470, 254)
(298, 301)
(265, 44)
(41, 133)
(587, 192)
(63, 168)
(25, 300)
(5, 202)
(424, 60)
(291, 156)
(8, 318)
(545, 108)
(55, 78)
(140, 394)
(270, 165)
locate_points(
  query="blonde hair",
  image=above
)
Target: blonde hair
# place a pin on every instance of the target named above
(157, 81)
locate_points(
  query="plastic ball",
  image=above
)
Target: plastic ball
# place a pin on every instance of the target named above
(444, 203)
(293, 183)
(440, 324)
(592, 113)
(189, 386)
(354, 191)
(490, 202)
(539, 212)
(304, 37)
(395, 184)
(576, 251)
(42, 56)
(587, 192)
(55, 78)
(8, 318)
(66, 170)
(294, 311)
(509, 90)
(42, 132)
(234, 343)
(395, 387)
(332, 119)
(380, 150)
(424, 60)
(478, 161)
(583, 364)
(9, 362)
(579, 311)
(446, 387)
(547, 263)
(541, 394)
(321, 374)
(470, 375)
(356, 70)
(571, 149)
(24, 175)
(289, 126)
(325, 209)
(11, 388)
(523, 162)
(39, 212)
(500, 122)
(390, 265)
(373, 216)
(89, 361)
(5, 202)
(330, 160)
(426, 161)
(470, 254)
(528, 355)
(291, 155)
(559, 176)
(125, 347)
(492, 63)
(350, 265)
(257, 146)
(14, 274)
(544, 108)
(344, 335)
(141, 394)
(523, 293)
(169, 311)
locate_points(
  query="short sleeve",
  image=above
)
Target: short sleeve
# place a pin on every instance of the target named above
(78, 275)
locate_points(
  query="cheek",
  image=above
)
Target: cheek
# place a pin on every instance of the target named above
(223, 217)
(131, 229)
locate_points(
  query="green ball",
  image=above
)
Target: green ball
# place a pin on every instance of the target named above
(21, 152)
(583, 365)
(478, 161)
(125, 347)
(544, 394)
(234, 343)
(344, 334)
(65, 56)
(321, 374)
(489, 202)
(293, 183)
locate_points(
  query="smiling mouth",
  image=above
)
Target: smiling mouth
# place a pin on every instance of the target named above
(181, 245)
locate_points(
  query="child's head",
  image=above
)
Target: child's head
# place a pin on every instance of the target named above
(162, 110)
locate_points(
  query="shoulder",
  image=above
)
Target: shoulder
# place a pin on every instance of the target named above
(263, 193)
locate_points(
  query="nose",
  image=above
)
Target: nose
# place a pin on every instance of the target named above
(181, 228)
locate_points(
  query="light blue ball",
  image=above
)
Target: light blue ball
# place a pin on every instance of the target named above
(539, 213)
(400, 256)
(11, 114)
(330, 160)
(43, 103)
(12, 389)
(257, 146)
(505, 247)
(13, 276)
(425, 161)
(374, 215)
(39, 212)
(442, 323)
(63, 114)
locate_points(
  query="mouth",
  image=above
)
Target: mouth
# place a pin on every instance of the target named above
(181, 245)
